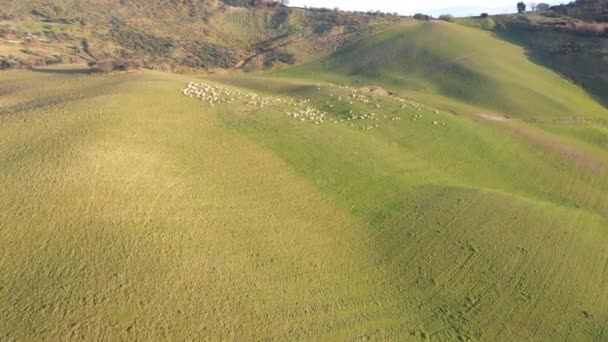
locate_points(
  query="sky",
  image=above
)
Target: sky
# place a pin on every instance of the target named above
(434, 7)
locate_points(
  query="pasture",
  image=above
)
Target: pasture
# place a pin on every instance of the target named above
(309, 204)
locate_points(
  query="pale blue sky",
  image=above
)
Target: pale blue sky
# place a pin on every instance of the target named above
(434, 7)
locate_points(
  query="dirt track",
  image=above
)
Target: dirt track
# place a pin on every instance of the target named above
(572, 153)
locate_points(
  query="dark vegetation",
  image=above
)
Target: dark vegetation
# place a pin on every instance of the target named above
(446, 17)
(12, 62)
(420, 16)
(274, 57)
(521, 7)
(176, 34)
(201, 54)
(140, 42)
(591, 10)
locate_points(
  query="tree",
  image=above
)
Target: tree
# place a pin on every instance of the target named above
(521, 7)
(484, 15)
(420, 16)
(446, 17)
(543, 7)
(532, 6)
(59, 11)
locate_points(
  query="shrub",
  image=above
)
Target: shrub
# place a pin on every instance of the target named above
(59, 11)
(275, 57)
(488, 23)
(206, 55)
(128, 64)
(141, 42)
(42, 12)
(49, 60)
(166, 67)
(103, 66)
(135, 64)
(484, 15)
(446, 17)
(543, 7)
(420, 16)
(27, 64)
(7, 63)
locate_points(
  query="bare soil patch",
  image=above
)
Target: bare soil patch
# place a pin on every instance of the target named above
(376, 90)
(573, 154)
(491, 117)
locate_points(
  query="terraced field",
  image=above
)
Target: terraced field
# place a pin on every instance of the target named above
(301, 206)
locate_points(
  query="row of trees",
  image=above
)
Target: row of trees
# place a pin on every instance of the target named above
(522, 7)
(255, 3)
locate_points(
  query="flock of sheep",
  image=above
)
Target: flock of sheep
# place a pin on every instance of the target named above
(301, 110)
(213, 95)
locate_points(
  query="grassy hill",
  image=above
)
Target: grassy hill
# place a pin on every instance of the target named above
(413, 181)
(575, 49)
(469, 66)
(131, 211)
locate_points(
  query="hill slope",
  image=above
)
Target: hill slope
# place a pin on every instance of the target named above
(180, 34)
(575, 49)
(458, 63)
(468, 205)
(131, 211)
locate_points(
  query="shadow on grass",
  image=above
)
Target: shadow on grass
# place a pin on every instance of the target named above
(65, 71)
(572, 65)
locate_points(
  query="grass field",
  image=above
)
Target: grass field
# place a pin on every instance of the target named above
(131, 211)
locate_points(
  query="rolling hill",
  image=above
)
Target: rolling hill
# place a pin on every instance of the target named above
(455, 62)
(574, 48)
(426, 181)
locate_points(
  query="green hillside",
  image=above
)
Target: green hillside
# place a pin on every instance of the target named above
(423, 181)
(457, 63)
(573, 48)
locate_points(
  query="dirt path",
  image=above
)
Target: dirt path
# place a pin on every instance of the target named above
(491, 117)
(570, 152)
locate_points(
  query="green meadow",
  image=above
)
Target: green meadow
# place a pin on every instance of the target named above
(469, 204)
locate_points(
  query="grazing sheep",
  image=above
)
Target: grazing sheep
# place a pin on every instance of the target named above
(301, 109)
